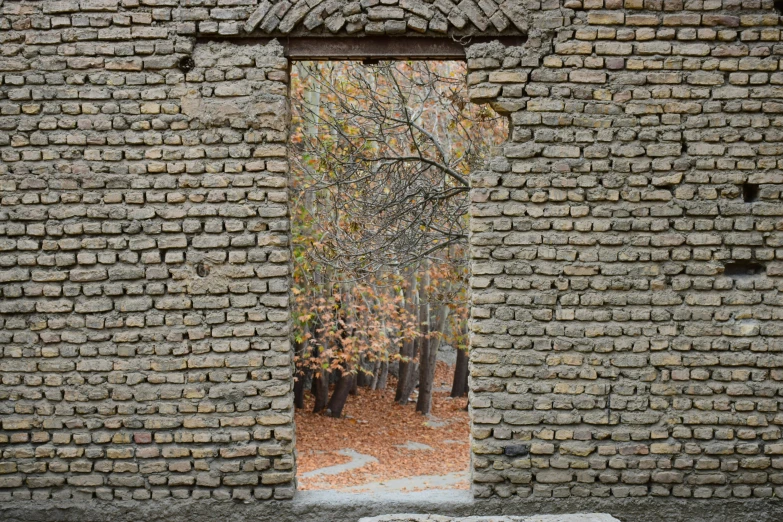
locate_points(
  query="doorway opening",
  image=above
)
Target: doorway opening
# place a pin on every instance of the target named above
(382, 154)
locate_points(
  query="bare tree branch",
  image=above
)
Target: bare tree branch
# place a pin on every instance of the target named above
(385, 161)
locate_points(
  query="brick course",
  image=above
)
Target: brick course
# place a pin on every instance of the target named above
(626, 247)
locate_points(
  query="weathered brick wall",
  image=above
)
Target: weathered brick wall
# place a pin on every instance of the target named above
(626, 296)
(144, 246)
(144, 260)
(144, 239)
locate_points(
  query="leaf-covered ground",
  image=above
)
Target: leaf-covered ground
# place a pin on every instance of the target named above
(374, 425)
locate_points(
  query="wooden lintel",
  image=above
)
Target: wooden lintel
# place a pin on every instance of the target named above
(369, 48)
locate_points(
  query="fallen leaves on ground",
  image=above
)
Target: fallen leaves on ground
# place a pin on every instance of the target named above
(374, 425)
(319, 459)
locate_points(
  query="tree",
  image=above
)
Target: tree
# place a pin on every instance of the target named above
(381, 182)
(390, 161)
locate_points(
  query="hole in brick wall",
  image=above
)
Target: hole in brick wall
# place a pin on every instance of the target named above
(742, 268)
(750, 192)
(186, 64)
(778, 6)
(202, 270)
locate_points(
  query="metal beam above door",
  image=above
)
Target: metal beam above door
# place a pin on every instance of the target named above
(371, 48)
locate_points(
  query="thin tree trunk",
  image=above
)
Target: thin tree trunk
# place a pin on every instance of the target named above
(459, 387)
(376, 370)
(382, 378)
(299, 387)
(363, 378)
(320, 386)
(320, 378)
(427, 360)
(413, 368)
(301, 377)
(407, 350)
(320, 390)
(435, 326)
(412, 371)
(340, 394)
(311, 98)
(429, 352)
(354, 385)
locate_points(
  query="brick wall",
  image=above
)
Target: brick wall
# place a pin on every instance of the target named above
(627, 260)
(626, 298)
(144, 261)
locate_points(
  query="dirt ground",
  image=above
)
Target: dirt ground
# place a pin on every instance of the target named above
(374, 425)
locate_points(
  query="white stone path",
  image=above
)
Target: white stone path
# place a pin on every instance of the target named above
(357, 461)
(418, 483)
